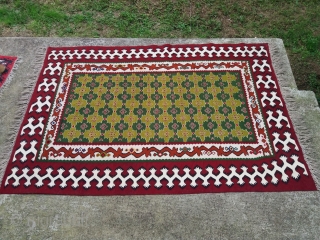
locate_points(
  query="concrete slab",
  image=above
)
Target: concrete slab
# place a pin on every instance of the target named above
(287, 215)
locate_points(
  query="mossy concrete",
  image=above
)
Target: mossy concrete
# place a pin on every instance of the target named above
(284, 215)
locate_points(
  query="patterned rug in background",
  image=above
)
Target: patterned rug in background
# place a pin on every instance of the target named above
(157, 120)
(8, 62)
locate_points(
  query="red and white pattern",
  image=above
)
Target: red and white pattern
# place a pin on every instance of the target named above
(281, 167)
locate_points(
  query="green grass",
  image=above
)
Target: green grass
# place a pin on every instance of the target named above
(297, 22)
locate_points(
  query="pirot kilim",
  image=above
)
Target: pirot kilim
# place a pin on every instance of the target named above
(7, 63)
(157, 120)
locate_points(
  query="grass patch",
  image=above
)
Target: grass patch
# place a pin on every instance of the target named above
(314, 83)
(296, 22)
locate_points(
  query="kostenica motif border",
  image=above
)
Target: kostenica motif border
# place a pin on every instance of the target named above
(285, 171)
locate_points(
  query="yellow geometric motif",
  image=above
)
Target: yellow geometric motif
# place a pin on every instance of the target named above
(230, 115)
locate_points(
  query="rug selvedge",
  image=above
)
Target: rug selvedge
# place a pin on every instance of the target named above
(157, 119)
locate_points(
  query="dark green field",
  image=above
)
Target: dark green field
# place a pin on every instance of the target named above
(297, 22)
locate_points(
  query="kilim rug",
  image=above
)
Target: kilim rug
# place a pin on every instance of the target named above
(8, 62)
(157, 120)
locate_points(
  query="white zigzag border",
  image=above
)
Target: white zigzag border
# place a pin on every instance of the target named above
(158, 178)
(158, 52)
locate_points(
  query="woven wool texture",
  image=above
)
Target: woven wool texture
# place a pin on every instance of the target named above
(168, 119)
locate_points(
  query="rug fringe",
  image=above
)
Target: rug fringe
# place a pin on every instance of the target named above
(30, 83)
(279, 59)
(304, 134)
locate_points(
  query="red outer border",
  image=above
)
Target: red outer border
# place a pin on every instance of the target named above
(303, 183)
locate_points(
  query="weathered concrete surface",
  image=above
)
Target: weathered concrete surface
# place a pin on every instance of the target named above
(289, 215)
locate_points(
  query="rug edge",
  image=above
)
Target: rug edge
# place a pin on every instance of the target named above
(29, 85)
(4, 160)
(303, 134)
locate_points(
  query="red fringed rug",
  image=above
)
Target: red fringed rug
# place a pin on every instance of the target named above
(157, 120)
(8, 62)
